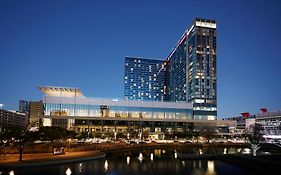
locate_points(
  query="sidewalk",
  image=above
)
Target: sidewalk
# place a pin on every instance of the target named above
(38, 159)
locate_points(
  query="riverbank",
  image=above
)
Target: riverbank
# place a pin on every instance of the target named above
(79, 153)
(45, 159)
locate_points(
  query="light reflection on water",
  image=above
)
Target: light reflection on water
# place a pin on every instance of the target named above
(105, 166)
(151, 157)
(152, 162)
(68, 171)
(128, 160)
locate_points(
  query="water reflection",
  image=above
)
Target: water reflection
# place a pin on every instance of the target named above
(161, 164)
(183, 163)
(157, 152)
(105, 165)
(211, 167)
(80, 167)
(140, 157)
(68, 171)
(239, 150)
(151, 156)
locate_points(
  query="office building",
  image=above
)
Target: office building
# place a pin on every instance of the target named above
(32, 109)
(144, 79)
(36, 109)
(24, 106)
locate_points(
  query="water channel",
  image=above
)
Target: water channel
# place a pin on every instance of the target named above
(151, 162)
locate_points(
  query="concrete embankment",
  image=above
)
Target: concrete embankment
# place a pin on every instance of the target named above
(46, 159)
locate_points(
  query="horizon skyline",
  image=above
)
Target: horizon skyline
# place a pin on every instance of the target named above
(71, 44)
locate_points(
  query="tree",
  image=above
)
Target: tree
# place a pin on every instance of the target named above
(255, 137)
(208, 134)
(195, 134)
(53, 133)
(18, 137)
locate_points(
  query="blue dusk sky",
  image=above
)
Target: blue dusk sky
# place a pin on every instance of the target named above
(82, 44)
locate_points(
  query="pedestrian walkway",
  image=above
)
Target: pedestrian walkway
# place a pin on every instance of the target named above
(37, 158)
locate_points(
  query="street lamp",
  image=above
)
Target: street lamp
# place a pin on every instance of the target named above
(115, 135)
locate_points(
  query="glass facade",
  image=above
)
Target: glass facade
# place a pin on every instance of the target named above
(176, 73)
(188, 74)
(118, 109)
(105, 115)
(201, 74)
(191, 70)
(144, 79)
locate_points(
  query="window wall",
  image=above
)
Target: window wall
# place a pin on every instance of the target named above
(116, 111)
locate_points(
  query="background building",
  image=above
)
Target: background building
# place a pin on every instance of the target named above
(144, 79)
(24, 106)
(13, 118)
(33, 110)
(270, 122)
(36, 109)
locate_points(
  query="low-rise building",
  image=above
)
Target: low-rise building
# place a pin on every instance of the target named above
(13, 118)
(69, 108)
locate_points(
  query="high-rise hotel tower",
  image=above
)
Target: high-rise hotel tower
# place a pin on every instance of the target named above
(188, 73)
(143, 79)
